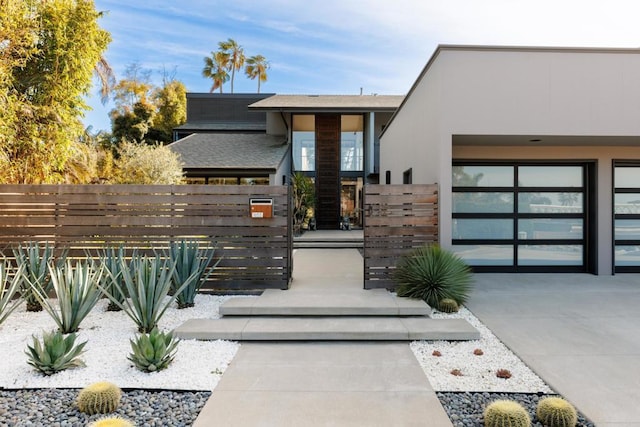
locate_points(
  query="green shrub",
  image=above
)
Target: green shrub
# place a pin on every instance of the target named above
(99, 398)
(506, 413)
(147, 164)
(432, 274)
(448, 305)
(154, 351)
(147, 281)
(556, 412)
(191, 263)
(55, 353)
(9, 287)
(77, 292)
(35, 260)
(112, 422)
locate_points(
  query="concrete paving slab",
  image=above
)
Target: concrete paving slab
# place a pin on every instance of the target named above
(328, 384)
(579, 332)
(439, 329)
(205, 329)
(348, 302)
(327, 329)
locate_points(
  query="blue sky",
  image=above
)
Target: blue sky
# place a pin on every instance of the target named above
(340, 46)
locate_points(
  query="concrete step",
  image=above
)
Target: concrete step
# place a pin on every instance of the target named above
(327, 329)
(375, 302)
(316, 244)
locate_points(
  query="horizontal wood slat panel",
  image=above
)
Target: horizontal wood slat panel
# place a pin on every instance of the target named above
(256, 252)
(398, 219)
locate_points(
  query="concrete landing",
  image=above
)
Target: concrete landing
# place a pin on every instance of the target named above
(327, 329)
(323, 384)
(359, 302)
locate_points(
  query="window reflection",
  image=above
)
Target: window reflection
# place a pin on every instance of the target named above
(483, 176)
(304, 142)
(550, 176)
(351, 142)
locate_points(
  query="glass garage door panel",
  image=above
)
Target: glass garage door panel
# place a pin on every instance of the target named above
(483, 202)
(483, 176)
(483, 255)
(550, 255)
(482, 229)
(550, 176)
(626, 214)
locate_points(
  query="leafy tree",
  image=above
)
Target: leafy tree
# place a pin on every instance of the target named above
(171, 104)
(49, 51)
(215, 68)
(236, 56)
(147, 164)
(145, 113)
(257, 67)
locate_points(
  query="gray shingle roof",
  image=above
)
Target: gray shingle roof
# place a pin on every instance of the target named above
(330, 102)
(231, 151)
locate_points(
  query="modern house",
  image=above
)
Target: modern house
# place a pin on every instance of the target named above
(536, 152)
(263, 139)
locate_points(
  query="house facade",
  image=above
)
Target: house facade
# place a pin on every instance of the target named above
(264, 139)
(536, 152)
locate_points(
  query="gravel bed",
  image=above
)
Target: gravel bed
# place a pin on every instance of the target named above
(56, 408)
(465, 408)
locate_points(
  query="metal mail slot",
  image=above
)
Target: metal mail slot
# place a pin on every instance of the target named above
(261, 208)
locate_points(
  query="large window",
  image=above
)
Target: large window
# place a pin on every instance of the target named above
(351, 143)
(626, 222)
(520, 217)
(304, 142)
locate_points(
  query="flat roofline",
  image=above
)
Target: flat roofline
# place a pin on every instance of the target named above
(498, 48)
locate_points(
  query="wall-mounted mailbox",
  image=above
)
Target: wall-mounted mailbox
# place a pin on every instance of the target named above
(261, 208)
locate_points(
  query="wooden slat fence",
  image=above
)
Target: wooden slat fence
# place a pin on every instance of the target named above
(256, 252)
(398, 219)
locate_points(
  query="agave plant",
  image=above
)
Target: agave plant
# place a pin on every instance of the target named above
(55, 353)
(433, 274)
(191, 263)
(154, 351)
(35, 260)
(9, 287)
(112, 260)
(147, 281)
(77, 292)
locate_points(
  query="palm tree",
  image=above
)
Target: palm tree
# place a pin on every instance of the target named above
(236, 56)
(257, 66)
(215, 68)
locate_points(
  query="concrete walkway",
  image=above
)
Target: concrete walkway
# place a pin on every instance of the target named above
(324, 383)
(580, 333)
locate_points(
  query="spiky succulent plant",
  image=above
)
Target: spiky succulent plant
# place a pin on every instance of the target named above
(55, 353)
(154, 351)
(506, 413)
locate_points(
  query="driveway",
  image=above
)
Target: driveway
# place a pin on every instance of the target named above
(579, 332)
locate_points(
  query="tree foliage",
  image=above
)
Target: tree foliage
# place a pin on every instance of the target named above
(257, 67)
(145, 113)
(229, 58)
(48, 54)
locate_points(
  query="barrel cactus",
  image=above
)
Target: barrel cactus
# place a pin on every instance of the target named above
(448, 305)
(506, 413)
(112, 422)
(556, 412)
(99, 398)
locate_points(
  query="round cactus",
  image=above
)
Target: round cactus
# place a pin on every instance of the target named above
(448, 305)
(99, 398)
(556, 412)
(112, 422)
(506, 413)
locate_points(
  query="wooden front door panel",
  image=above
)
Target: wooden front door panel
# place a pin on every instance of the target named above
(327, 171)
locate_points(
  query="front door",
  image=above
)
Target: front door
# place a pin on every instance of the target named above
(327, 171)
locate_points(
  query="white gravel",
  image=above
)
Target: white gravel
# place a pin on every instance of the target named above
(198, 364)
(478, 372)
